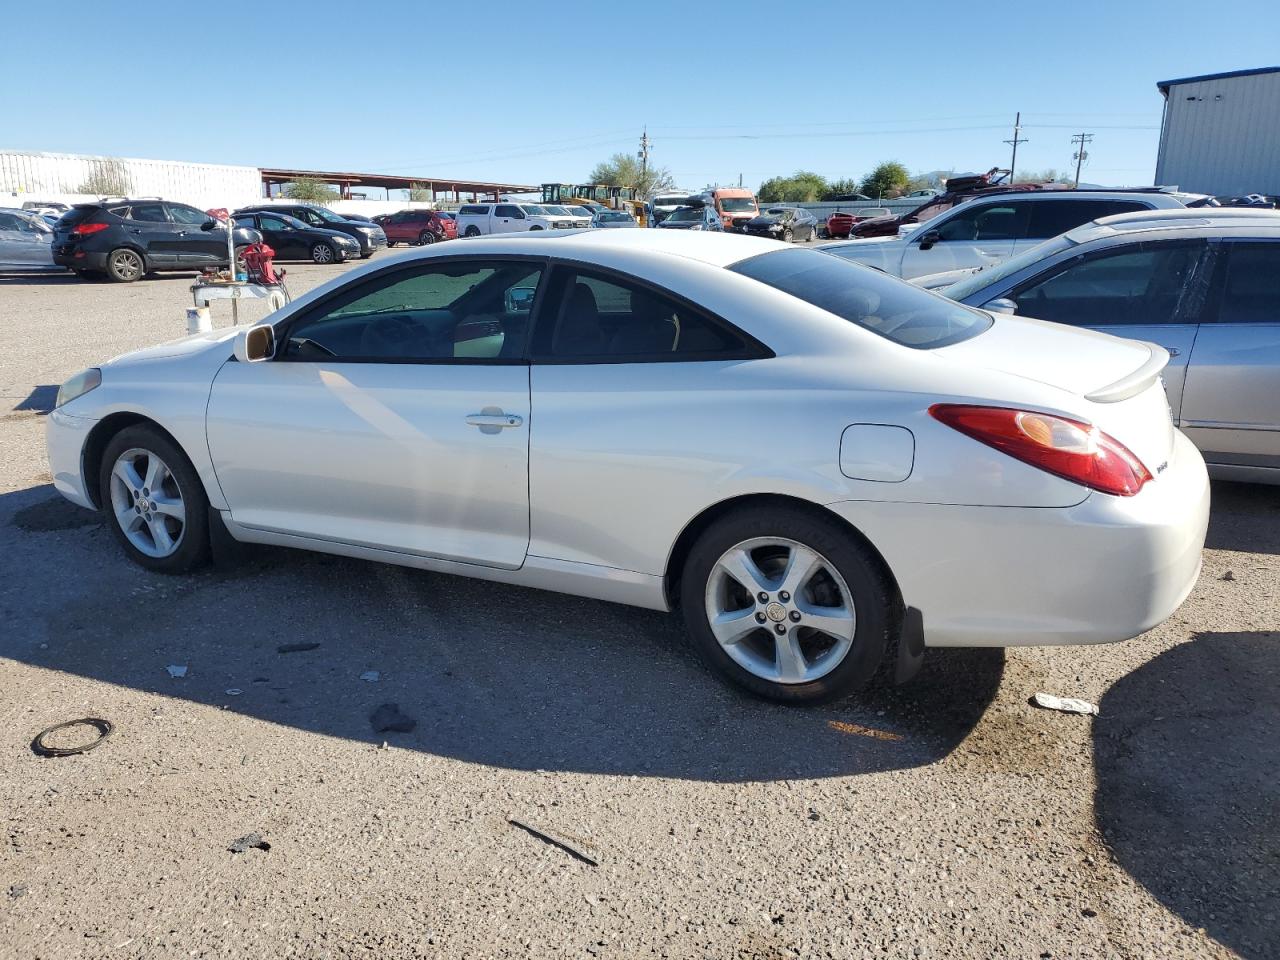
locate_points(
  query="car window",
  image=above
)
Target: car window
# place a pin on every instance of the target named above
(506, 210)
(181, 213)
(309, 216)
(244, 220)
(10, 221)
(611, 319)
(867, 297)
(1052, 217)
(474, 210)
(148, 213)
(274, 223)
(460, 310)
(1136, 284)
(989, 221)
(1251, 290)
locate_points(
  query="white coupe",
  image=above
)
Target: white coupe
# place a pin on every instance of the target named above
(825, 469)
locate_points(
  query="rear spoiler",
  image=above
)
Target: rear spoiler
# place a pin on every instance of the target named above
(1134, 383)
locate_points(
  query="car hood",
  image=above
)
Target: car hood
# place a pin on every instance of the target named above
(183, 347)
(939, 281)
(764, 220)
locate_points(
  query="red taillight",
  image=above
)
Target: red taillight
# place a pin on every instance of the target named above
(87, 228)
(1066, 448)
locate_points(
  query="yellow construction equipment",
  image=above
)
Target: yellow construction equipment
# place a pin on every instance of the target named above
(597, 196)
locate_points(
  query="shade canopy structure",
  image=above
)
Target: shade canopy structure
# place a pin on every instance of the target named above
(274, 179)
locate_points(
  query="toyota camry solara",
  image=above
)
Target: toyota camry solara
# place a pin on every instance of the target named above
(824, 469)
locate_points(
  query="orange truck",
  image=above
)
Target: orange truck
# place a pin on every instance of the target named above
(735, 205)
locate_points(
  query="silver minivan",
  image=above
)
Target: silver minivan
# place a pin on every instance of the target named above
(1202, 283)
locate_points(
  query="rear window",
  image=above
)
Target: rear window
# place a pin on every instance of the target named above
(869, 298)
(473, 211)
(76, 216)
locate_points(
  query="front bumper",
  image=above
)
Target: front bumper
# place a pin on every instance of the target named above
(1105, 570)
(65, 437)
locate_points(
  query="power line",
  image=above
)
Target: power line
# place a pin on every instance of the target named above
(1013, 163)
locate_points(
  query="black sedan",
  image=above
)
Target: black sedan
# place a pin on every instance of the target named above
(294, 240)
(784, 223)
(369, 235)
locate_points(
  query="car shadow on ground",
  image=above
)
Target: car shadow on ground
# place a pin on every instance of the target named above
(1237, 510)
(1187, 750)
(491, 674)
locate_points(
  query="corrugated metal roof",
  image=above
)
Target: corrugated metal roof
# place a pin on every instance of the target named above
(1164, 85)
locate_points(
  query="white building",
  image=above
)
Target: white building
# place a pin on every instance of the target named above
(1221, 133)
(74, 178)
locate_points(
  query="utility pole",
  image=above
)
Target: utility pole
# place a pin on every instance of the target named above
(1080, 140)
(1013, 163)
(643, 154)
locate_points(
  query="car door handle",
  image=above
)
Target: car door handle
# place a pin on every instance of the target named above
(1173, 351)
(494, 420)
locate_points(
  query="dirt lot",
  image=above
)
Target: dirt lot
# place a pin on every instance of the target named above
(947, 818)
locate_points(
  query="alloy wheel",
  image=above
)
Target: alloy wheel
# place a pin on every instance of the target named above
(148, 503)
(780, 610)
(322, 253)
(126, 265)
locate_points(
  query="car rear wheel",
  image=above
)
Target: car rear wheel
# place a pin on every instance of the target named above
(323, 253)
(472, 231)
(426, 237)
(125, 265)
(789, 606)
(154, 501)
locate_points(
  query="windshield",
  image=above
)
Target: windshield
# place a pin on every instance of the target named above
(869, 298)
(777, 211)
(686, 215)
(533, 210)
(327, 215)
(737, 205)
(989, 275)
(614, 217)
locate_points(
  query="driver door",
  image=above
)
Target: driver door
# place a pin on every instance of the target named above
(394, 416)
(974, 235)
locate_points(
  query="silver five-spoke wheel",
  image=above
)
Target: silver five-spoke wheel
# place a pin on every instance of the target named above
(147, 502)
(780, 610)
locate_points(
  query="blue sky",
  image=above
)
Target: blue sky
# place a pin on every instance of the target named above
(481, 90)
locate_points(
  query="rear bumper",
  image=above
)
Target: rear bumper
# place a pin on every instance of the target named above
(65, 438)
(1104, 570)
(75, 258)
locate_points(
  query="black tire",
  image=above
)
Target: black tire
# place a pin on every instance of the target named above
(125, 265)
(472, 231)
(324, 254)
(425, 238)
(877, 605)
(192, 548)
(91, 275)
(787, 235)
(391, 243)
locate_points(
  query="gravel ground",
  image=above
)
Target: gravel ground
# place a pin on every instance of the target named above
(947, 818)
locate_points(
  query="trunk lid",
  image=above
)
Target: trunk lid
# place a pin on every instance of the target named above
(1117, 381)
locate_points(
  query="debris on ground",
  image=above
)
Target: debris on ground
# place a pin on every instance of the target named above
(861, 731)
(1227, 576)
(41, 748)
(296, 647)
(17, 890)
(371, 675)
(233, 691)
(555, 841)
(177, 670)
(249, 841)
(388, 717)
(1064, 704)
(814, 814)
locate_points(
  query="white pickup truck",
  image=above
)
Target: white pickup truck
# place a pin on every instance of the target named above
(475, 219)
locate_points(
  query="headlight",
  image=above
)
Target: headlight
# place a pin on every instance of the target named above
(78, 385)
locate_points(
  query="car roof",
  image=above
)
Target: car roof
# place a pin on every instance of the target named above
(1185, 218)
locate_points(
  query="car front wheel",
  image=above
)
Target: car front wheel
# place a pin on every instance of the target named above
(323, 253)
(789, 606)
(125, 265)
(154, 501)
(426, 237)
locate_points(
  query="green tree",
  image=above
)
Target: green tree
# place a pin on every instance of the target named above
(887, 180)
(107, 178)
(420, 192)
(842, 187)
(309, 188)
(624, 170)
(803, 186)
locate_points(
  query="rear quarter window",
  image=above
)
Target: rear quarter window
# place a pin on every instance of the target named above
(884, 305)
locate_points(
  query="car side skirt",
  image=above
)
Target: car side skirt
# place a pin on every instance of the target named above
(590, 580)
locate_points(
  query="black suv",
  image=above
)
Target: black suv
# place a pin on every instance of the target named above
(370, 236)
(127, 239)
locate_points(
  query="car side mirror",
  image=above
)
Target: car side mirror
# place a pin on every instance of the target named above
(929, 238)
(1001, 305)
(210, 225)
(256, 343)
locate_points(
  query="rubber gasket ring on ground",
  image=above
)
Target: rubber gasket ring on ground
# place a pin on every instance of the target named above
(104, 728)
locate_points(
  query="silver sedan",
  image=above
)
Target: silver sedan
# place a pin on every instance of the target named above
(26, 242)
(1203, 283)
(823, 468)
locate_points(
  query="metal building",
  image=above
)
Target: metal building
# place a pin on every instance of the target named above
(1221, 133)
